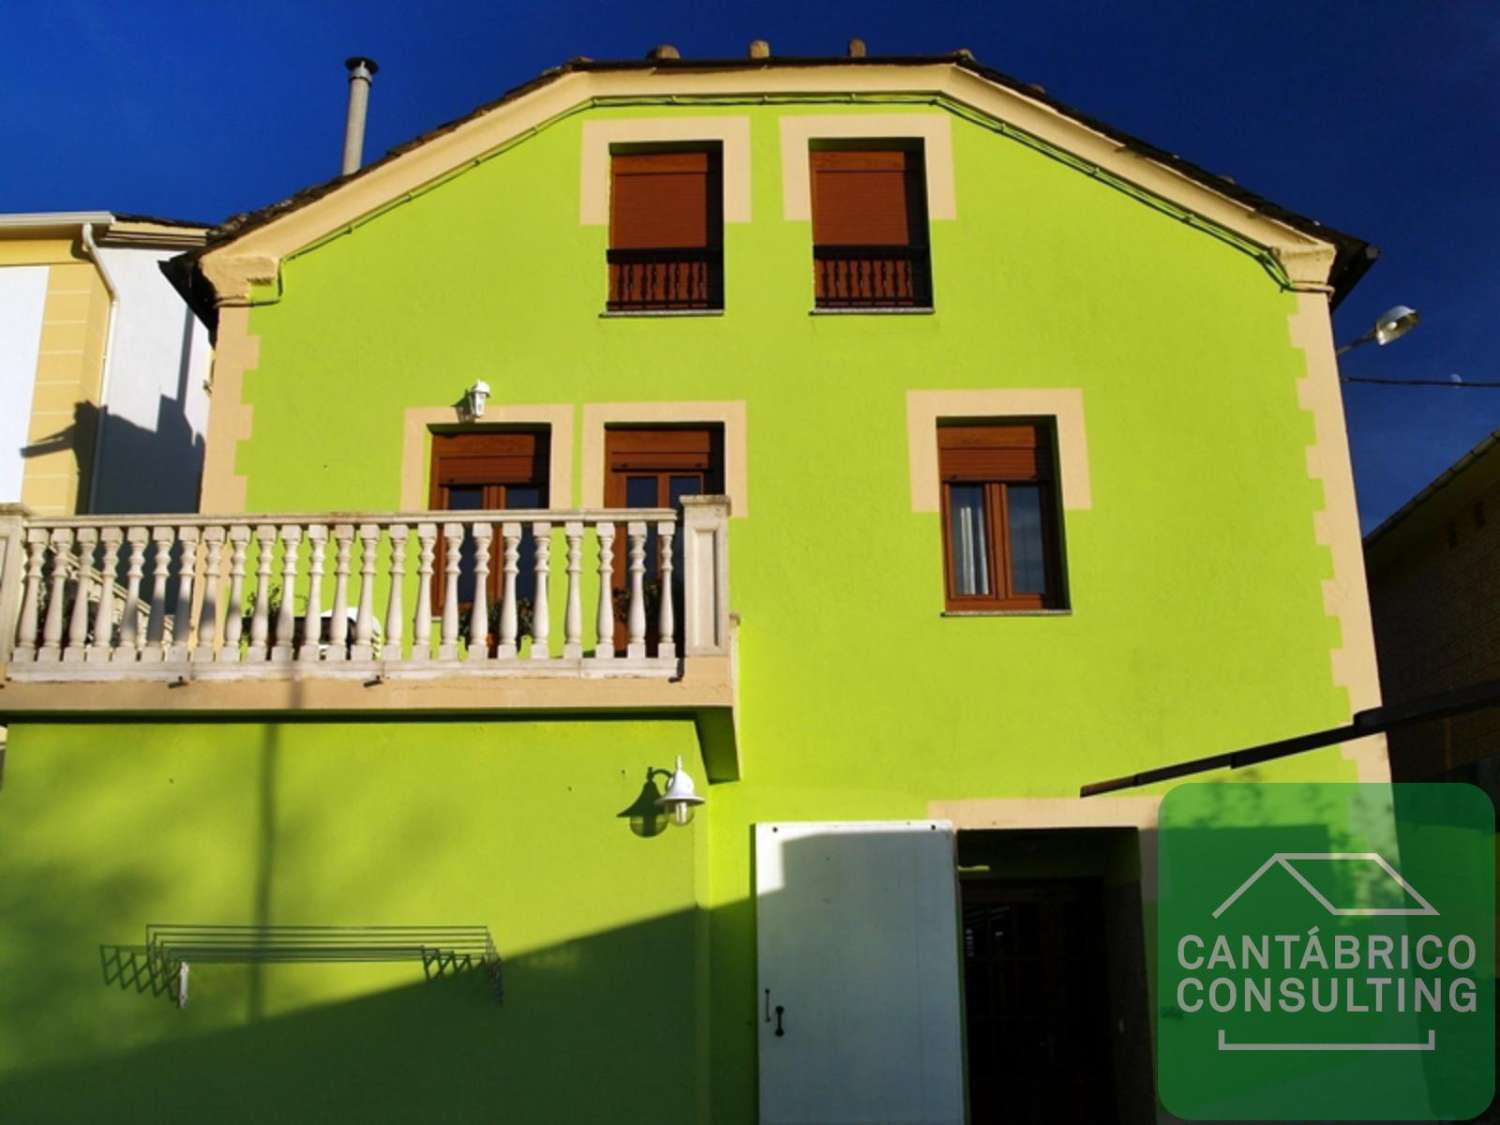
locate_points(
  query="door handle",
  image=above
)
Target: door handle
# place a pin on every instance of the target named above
(780, 1031)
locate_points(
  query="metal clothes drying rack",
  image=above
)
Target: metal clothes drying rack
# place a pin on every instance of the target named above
(172, 948)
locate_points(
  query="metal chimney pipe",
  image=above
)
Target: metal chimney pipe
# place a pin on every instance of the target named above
(361, 70)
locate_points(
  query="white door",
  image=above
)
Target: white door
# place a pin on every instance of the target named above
(859, 981)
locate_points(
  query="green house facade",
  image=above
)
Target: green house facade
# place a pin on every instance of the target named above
(898, 449)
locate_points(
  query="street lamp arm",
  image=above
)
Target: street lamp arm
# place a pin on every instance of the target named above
(1376, 720)
(1389, 327)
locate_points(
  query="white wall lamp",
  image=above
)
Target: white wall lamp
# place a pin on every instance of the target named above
(681, 797)
(474, 400)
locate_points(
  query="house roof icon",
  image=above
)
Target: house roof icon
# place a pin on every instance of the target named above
(1286, 860)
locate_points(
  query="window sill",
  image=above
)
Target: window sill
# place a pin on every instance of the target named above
(877, 310)
(632, 314)
(1007, 613)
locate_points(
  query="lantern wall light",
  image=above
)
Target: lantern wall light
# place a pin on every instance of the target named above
(681, 798)
(475, 398)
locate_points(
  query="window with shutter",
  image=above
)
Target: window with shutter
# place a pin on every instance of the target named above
(489, 470)
(1001, 531)
(869, 209)
(655, 467)
(666, 231)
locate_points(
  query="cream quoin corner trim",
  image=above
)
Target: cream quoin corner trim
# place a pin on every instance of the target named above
(932, 129)
(924, 409)
(235, 264)
(731, 415)
(419, 422)
(1345, 595)
(732, 133)
(236, 351)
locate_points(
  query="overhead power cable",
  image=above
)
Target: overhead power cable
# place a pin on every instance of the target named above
(1456, 385)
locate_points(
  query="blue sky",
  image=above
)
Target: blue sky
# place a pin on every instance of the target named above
(1381, 118)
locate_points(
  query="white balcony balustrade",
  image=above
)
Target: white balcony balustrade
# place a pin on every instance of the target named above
(351, 595)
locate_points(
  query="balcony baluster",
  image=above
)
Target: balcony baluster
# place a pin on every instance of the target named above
(72, 620)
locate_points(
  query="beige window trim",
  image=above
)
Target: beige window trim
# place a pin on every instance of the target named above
(924, 409)
(731, 415)
(932, 129)
(416, 446)
(732, 133)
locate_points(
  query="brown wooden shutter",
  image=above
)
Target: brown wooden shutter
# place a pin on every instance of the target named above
(1005, 452)
(494, 457)
(868, 198)
(663, 200)
(630, 448)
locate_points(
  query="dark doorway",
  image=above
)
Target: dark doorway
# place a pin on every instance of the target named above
(1036, 1001)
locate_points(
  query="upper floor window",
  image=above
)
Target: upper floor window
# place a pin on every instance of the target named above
(869, 214)
(666, 230)
(1001, 536)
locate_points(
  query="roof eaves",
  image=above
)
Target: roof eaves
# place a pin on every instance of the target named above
(1353, 256)
(1440, 482)
(24, 220)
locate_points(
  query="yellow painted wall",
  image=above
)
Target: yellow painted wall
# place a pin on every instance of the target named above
(65, 405)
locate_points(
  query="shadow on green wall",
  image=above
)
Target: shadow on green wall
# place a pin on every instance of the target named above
(590, 1030)
(265, 854)
(314, 822)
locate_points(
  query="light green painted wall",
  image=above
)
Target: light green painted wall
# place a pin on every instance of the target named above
(1197, 620)
(514, 825)
(1195, 578)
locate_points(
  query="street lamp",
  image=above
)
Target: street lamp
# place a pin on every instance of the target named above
(1389, 326)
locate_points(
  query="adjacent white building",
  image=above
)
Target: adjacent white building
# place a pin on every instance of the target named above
(103, 367)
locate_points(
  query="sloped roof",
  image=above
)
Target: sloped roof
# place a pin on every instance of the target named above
(1481, 453)
(1353, 255)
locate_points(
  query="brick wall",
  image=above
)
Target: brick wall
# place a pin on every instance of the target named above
(1435, 596)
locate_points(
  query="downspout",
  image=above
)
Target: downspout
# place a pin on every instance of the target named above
(91, 251)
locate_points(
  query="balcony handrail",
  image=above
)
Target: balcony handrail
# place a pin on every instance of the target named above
(85, 597)
(910, 251)
(650, 254)
(485, 515)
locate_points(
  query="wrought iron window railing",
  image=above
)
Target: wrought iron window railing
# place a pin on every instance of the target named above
(869, 277)
(666, 279)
